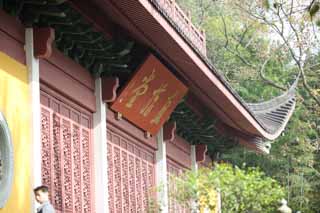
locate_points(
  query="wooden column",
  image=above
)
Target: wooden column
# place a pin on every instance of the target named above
(38, 44)
(194, 167)
(34, 85)
(161, 172)
(100, 151)
(198, 153)
(194, 164)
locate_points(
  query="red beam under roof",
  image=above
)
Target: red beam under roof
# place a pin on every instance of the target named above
(146, 24)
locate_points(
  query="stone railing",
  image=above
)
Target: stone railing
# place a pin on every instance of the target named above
(183, 24)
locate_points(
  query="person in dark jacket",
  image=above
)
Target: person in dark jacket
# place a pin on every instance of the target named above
(41, 194)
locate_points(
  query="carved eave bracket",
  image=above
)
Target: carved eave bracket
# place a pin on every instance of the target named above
(118, 116)
(201, 150)
(43, 39)
(169, 131)
(109, 89)
(147, 135)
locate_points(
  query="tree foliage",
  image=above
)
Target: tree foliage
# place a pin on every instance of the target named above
(260, 47)
(242, 190)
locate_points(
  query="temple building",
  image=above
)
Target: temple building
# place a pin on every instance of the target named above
(101, 100)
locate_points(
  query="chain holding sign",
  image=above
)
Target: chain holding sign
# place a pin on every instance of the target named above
(150, 96)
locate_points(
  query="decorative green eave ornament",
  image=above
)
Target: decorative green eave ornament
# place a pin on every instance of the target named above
(74, 35)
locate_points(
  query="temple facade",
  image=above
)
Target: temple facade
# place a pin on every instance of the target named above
(102, 100)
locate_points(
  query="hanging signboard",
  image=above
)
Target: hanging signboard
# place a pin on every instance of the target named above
(150, 96)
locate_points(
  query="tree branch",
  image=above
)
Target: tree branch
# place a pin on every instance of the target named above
(266, 80)
(246, 62)
(308, 88)
(226, 45)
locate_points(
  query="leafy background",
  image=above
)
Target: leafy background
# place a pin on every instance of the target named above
(244, 45)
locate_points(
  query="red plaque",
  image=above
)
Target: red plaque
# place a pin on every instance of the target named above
(150, 96)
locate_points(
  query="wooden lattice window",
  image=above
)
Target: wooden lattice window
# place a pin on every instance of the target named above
(131, 173)
(67, 159)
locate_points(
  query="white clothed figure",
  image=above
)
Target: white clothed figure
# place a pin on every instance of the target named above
(284, 208)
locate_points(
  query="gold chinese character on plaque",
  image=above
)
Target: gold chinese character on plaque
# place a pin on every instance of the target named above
(163, 109)
(141, 89)
(154, 99)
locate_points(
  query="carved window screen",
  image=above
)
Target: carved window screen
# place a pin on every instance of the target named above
(131, 173)
(174, 169)
(67, 159)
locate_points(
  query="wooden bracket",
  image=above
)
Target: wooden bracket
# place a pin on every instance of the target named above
(43, 39)
(169, 131)
(147, 135)
(109, 89)
(201, 150)
(118, 116)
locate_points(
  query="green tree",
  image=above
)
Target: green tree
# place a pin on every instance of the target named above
(260, 47)
(292, 162)
(242, 190)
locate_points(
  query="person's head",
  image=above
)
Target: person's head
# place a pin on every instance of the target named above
(41, 193)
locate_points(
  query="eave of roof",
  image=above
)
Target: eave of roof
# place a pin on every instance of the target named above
(146, 24)
(78, 37)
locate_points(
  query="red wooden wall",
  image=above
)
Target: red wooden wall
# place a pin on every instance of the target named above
(12, 37)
